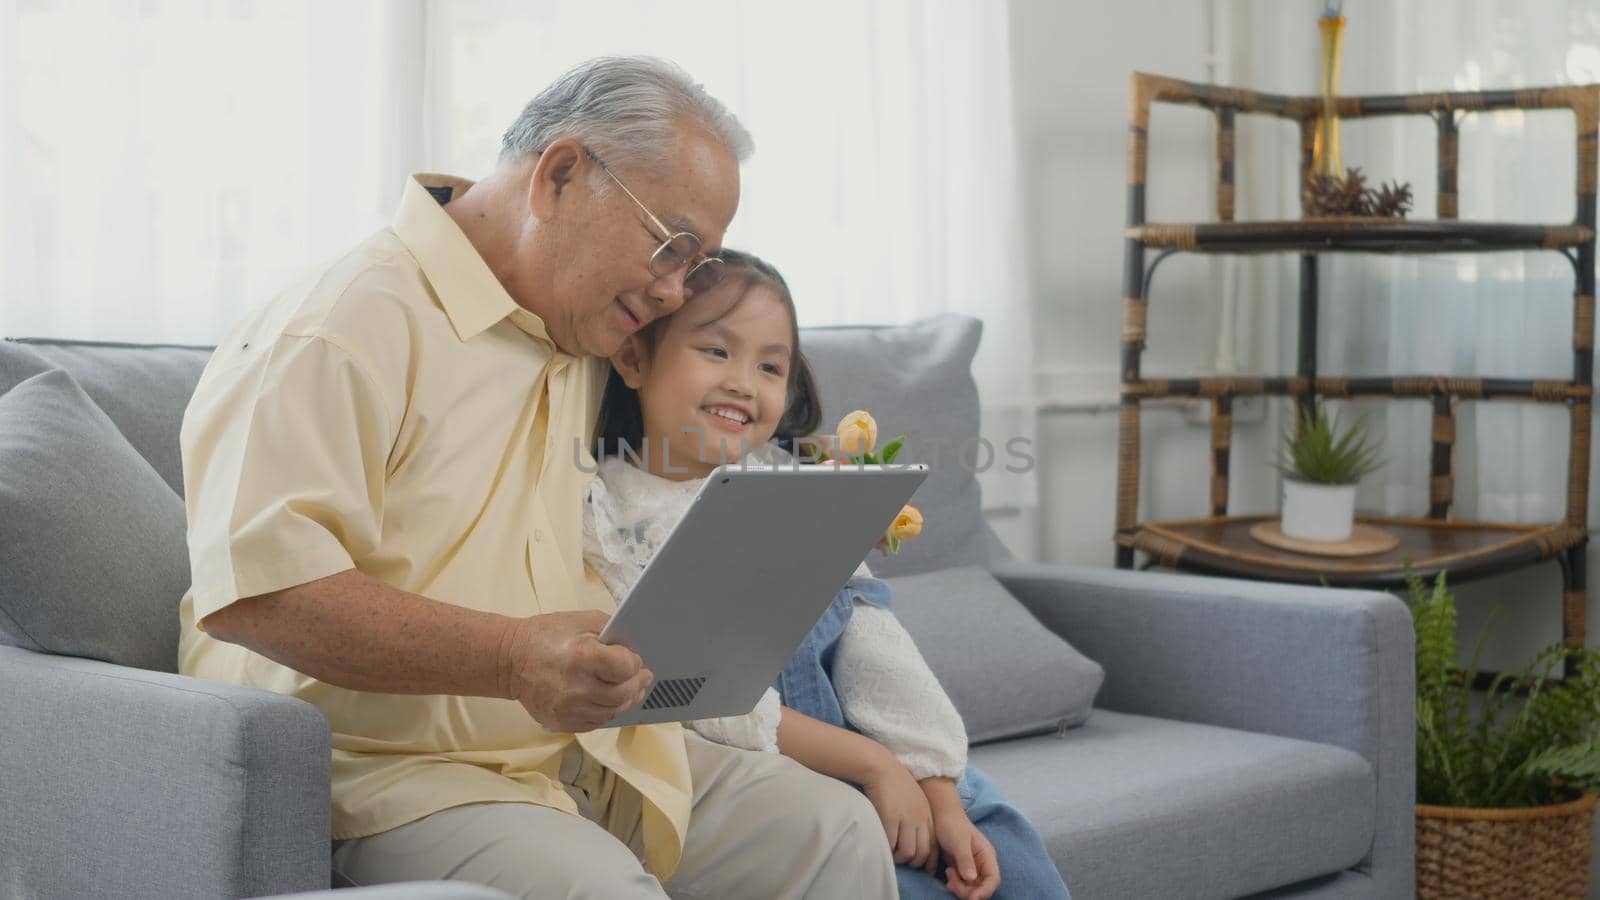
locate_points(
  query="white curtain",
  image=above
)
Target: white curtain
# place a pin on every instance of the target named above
(1492, 315)
(165, 164)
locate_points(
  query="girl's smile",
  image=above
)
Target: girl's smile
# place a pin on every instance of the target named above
(713, 379)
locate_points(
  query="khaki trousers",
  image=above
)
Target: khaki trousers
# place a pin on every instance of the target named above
(762, 826)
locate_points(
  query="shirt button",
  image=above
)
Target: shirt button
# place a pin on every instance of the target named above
(538, 534)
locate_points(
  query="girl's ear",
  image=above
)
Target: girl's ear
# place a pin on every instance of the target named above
(632, 361)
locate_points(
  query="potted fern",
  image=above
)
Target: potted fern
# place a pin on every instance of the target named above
(1505, 802)
(1322, 465)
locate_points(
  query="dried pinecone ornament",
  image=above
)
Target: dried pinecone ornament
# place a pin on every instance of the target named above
(1392, 201)
(1327, 196)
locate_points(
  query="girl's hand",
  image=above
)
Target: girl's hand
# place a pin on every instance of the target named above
(974, 872)
(903, 808)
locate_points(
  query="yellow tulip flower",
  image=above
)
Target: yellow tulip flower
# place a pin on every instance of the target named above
(907, 525)
(858, 433)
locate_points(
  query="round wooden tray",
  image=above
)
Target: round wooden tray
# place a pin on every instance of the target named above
(1364, 540)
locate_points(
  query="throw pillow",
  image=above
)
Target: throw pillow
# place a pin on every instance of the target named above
(142, 388)
(916, 380)
(1007, 674)
(92, 540)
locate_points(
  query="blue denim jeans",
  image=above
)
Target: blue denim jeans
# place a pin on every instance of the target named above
(806, 686)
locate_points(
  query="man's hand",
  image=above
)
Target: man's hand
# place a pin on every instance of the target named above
(556, 667)
(903, 808)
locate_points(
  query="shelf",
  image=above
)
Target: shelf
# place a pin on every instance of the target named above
(1390, 386)
(1358, 235)
(1223, 544)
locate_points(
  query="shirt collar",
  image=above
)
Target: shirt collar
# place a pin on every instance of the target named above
(472, 297)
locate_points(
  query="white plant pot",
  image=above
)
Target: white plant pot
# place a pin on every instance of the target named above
(1318, 512)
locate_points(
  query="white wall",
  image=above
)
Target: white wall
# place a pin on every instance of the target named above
(1072, 64)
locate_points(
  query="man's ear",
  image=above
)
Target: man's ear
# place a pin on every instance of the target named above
(632, 361)
(559, 167)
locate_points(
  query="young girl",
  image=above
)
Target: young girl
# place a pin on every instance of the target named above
(723, 377)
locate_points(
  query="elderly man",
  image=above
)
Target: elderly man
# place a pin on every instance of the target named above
(385, 473)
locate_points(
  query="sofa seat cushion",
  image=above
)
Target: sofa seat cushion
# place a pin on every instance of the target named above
(1135, 807)
(1347, 885)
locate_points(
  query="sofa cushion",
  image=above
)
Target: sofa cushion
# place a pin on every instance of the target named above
(1005, 671)
(916, 380)
(143, 388)
(1131, 806)
(1351, 884)
(92, 541)
(18, 363)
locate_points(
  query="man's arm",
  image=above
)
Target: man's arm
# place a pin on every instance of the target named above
(356, 632)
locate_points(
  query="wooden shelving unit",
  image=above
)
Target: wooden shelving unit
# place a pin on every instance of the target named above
(1220, 542)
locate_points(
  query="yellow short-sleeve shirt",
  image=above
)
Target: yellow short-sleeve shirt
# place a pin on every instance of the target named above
(400, 414)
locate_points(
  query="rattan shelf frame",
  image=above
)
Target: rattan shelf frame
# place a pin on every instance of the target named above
(1219, 543)
(1355, 235)
(1466, 549)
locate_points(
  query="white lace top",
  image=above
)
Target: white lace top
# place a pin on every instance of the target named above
(885, 688)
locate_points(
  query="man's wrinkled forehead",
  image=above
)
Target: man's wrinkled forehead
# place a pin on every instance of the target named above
(707, 192)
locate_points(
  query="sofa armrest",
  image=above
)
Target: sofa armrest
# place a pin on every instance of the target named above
(1319, 664)
(125, 782)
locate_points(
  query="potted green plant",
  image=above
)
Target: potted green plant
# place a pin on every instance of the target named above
(1505, 802)
(1321, 467)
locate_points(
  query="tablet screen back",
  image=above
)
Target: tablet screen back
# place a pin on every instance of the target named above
(741, 580)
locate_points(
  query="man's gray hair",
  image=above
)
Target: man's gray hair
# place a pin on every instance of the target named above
(627, 109)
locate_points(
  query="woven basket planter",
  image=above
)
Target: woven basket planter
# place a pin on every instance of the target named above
(1505, 854)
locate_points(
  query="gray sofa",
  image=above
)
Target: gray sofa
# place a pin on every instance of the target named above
(1248, 739)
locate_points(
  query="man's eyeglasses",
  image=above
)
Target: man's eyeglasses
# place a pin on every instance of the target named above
(679, 249)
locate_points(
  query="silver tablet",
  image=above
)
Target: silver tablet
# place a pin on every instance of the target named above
(744, 576)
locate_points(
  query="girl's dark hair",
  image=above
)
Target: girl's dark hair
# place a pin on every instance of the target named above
(621, 421)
